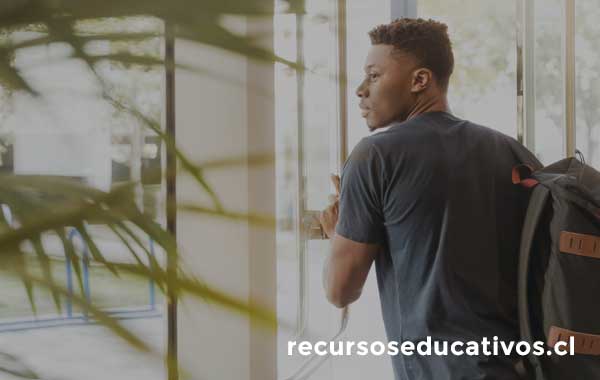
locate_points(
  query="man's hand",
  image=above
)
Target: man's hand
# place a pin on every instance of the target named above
(329, 217)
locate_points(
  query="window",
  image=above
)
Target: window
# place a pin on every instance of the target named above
(76, 129)
(483, 84)
(548, 140)
(305, 122)
(587, 69)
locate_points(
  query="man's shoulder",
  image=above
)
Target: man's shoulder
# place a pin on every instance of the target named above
(364, 152)
(508, 144)
(427, 134)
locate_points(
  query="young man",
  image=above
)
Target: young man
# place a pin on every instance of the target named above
(431, 201)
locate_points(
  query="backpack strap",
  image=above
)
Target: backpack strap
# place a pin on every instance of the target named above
(521, 175)
(580, 244)
(587, 344)
(537, 204)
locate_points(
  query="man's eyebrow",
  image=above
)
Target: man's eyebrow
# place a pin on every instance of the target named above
(369, 66)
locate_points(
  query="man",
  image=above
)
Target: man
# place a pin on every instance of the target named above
(431, 201)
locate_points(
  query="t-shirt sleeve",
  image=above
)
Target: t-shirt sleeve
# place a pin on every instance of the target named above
(524, 155)
(360, 204)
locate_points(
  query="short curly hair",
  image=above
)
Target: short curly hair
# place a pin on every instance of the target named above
(426, 40)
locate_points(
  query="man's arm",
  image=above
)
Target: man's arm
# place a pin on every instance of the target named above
(348, 264)
(346, 269)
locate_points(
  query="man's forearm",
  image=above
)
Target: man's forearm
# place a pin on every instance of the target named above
(325, 274)
(334, 294)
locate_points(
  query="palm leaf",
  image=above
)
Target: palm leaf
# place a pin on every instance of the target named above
(252, 218)
(102, 317)
(71, 256)
(44, 260)
(110, 208)
(11, 365)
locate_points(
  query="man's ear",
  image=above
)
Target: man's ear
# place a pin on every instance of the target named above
(421, 79)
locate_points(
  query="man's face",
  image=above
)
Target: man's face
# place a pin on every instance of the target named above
(385, 93)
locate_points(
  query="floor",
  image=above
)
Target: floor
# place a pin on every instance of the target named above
(87, 352)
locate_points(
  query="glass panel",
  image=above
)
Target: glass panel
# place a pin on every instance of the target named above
(549, 106)
(75, 129)
(320, 117)
(306, 120)
(483, 85)
(587, 46)
(288, 239)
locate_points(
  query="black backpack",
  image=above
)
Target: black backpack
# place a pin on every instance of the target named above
(559, 268)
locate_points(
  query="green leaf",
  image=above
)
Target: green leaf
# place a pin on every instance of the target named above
(71, 255)
(186, 164)
(154, 267)
(10, 77)
(93, 249)
(195, 287)
(20, 261)
(11, 365)
(252, 218)
(102, 317)
(44, 260)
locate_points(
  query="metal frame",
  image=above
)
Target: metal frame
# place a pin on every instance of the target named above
(172, 363)
(342, 70)
(403, 8)
(86, 275)
(71, 319)
(568, 55)
(302, 243)
(50, 321)
(526, 73)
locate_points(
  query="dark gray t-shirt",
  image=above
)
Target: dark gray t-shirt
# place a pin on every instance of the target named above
(436, 193)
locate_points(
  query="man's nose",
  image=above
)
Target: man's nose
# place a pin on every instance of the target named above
(361, 90)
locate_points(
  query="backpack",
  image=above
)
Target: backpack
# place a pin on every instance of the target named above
(559, 268)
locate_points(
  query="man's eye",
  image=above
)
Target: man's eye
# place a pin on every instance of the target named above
(373, 76)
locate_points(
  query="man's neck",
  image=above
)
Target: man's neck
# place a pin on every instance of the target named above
(439, 103)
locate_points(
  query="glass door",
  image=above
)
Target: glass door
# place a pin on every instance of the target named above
(317, 123)
(306, 119)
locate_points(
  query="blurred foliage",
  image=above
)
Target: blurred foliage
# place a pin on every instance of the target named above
(41, 205)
